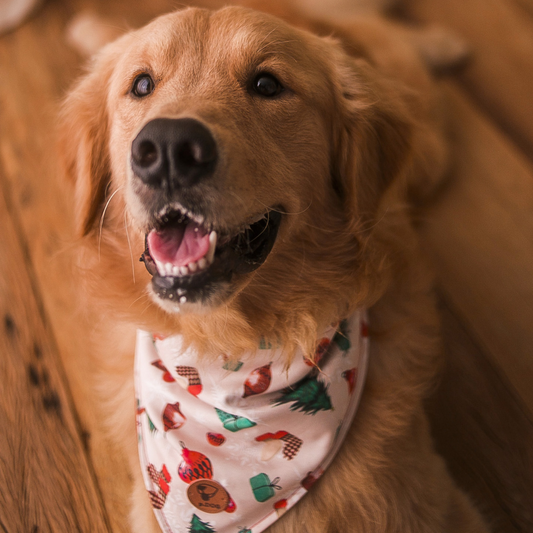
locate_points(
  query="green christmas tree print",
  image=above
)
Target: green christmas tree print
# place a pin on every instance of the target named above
(308, 395)
(151, 425)
(198, 526)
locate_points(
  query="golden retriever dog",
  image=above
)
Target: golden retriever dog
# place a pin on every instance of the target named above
(266, 171)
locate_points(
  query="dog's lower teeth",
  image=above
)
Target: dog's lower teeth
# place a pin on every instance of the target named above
(193, 267)
(202, 263)
(184, 270)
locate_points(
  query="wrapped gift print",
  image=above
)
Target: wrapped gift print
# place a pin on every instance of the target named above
(234, 422)
(263, 488)
(230, 446)
(342, 338)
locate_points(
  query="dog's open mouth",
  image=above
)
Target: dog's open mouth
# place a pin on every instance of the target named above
(188, 259)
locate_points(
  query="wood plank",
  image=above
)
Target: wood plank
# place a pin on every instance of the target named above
(482, 431)
(45, 479)
(40, 67)
(526, 5)
(500, 73)
(480, 235)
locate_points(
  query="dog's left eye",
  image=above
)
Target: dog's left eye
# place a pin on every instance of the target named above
(143, 85)
(267, 85)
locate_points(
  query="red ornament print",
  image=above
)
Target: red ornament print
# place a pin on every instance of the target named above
(281, 507)
(321, 350)
(167, 376)
(173, 417)
(216, 439)
(351, 378)
(311, 479)
(231, 508)
(280, 504)
(258, 381)
(194, 465)
(364, 329)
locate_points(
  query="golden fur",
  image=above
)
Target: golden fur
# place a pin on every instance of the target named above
(358, 140)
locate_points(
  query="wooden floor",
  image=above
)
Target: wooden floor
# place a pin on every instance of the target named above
(479, 233)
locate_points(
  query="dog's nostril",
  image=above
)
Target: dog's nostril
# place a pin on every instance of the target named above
(145, 153)
(190, 154)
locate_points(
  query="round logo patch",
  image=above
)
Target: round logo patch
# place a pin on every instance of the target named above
(208, 496)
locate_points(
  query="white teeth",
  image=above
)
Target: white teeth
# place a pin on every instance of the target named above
(160, 267)
(168, 269)
(175, 206)
(210, 256)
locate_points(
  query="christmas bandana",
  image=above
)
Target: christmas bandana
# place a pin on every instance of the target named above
(229, 446)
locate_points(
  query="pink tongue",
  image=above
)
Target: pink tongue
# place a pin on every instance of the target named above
(178, 245)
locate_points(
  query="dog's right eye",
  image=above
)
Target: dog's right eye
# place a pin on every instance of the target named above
(267, 85)
(143, 85)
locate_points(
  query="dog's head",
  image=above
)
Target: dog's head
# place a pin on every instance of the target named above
(245, 157)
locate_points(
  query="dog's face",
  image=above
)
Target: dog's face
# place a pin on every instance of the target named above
(220, 145)
(245, 154)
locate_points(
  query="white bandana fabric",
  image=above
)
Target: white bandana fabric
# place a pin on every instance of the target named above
(230, 447)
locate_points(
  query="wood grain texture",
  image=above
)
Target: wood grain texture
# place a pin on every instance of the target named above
(480, 235)
(500, 74)
(46, 482)
(40, 67)
(483, 432)
(526, 5)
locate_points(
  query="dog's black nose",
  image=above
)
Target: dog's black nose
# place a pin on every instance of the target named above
(173, 153)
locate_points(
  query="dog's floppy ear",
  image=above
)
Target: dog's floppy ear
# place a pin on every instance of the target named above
(83, 142)
(373, 137)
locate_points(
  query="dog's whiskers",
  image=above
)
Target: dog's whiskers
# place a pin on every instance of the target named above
(137, 299)
(102, 221)
(286, 212)
(129, 245)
